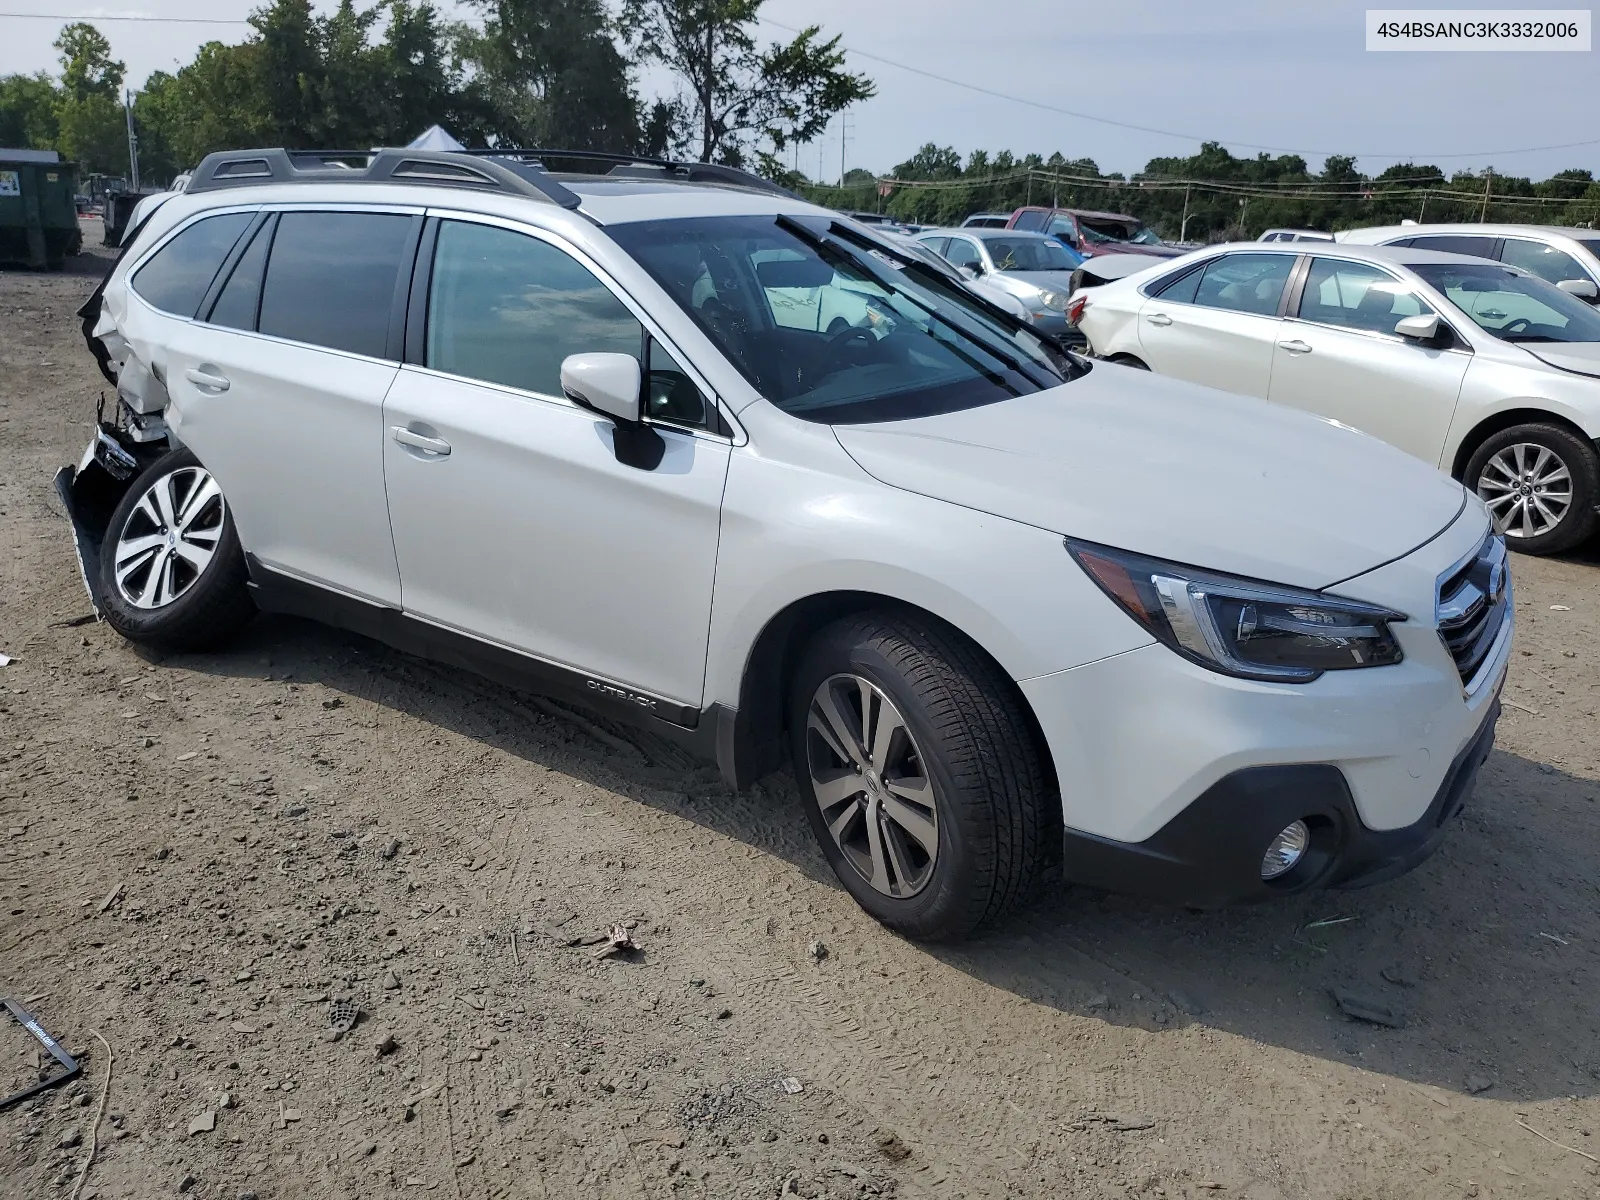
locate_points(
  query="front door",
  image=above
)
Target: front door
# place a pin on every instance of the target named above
(1339, 357)
(1216, 325)
(513, 520)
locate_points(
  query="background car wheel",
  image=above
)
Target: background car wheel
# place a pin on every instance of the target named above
(172, 574)
(920, 774)
(1541, 483)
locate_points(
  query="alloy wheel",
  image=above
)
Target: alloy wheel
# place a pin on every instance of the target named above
(170, 538)
(872, 785)
(1527, 488)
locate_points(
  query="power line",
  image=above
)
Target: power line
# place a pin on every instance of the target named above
(1187, 137)
(131, 17)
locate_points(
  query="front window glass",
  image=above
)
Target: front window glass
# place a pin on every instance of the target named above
(1063, 228)
(1592, 245)
(1357, 296)
(1546, 262)
(1028, 254)
(1455, 243)
(507, 308)
(1108, 230)
(1247, 283)
(829, 331)
(1511, 305)
(963, 253)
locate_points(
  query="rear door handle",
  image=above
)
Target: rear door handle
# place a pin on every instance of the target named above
(206, 379)
(417, 441)
(1295, 347)
(1159, 319)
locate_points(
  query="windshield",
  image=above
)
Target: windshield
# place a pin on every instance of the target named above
(1592, 245)
(1511, 305)
(1106, 230)
(1028, 254)
(833, 332)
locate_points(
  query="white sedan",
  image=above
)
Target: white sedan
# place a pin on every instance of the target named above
(1483, 369)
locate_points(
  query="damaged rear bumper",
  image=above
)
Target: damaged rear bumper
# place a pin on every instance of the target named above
(91, 491)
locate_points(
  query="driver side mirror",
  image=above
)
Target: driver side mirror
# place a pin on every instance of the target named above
(611, 385)
(1583, 289)
(1418, 329)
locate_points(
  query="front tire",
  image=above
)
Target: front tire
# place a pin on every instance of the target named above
(1541, 484)
(172, 572)
(920, 774)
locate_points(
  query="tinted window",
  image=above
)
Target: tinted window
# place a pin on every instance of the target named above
(330, 279)
(1357, 296)
(241, 295)
(507, 308)
(1247, 283)
(1030, 220)
(176, 279)
(1544, 261)
(1180, 288)
(670, 395)
(1456, 243)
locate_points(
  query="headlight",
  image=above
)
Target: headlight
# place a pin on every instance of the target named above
(1052, 300)
(1238, 626)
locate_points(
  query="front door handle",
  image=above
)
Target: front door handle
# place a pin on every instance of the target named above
(1159, 319)
(1295, 347)
(428, 445)
(208, 380)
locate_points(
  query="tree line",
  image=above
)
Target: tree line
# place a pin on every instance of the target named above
(1212, 195)
(525, 73)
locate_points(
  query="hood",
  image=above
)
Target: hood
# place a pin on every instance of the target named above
(1580, 357)
(1096, 250)
(1056, 281)
(1169, 469)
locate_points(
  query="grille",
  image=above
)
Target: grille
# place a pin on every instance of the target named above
(1474, 604)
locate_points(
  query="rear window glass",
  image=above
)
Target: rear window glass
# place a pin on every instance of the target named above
(331, 278)
(177, 277)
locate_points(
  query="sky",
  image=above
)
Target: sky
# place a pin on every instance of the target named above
(1252, 74)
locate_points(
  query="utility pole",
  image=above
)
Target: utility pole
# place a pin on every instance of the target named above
(844, 136)
(133, 140)
(1488, 179)
(1183, 227)
(1421, 212)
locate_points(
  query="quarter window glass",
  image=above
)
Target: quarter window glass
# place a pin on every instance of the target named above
(938, 245)
(963, 253)
(331, 277)
(1182, 289)
(1456, 243)
(176, 279)
(508, 308)
(669, 392)
(1546, 262)
(1357, 296)
(241, 295)
(1247, 283)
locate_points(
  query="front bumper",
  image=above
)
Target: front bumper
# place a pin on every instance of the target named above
(1210, 853)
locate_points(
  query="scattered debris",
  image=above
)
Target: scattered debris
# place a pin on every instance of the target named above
(475, 1003)
(1366, 1008)
(791, 1085)
(111, 898)
(516, 959)
(390, 849)
(1099, 1002)
(391, 981)
(888, 1144)
(6, 660)
(1326, 921)
(1510, 703)
(76, 622)
(1398, 976)
(1560, 608)
(1122, 1123)
(204, 1123)
(1555, 939)
(1478, 1083)
(1185, 1003)
(1558, 1145)
(336, 702)
(99, 1113)
(817, 950)
(384, 1044)
(618, 941)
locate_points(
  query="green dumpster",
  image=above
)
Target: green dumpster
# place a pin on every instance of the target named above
(38, 213)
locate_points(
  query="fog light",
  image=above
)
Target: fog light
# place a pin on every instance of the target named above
(1287, 849)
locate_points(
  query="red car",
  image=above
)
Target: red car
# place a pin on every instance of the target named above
(1093, 233)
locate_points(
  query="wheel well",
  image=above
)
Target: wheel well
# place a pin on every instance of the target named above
(761, 725)
(1129, 360)
(1490, 426)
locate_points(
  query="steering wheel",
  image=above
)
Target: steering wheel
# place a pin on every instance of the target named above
(851, 333)
(1516, 326)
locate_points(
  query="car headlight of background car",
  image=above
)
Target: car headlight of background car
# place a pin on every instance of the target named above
(1054, 301)
(1239, 626)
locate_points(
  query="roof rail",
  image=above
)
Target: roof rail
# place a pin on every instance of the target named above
(641, 166)
(486, 171)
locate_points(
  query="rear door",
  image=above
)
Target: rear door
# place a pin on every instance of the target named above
(279, 388)
(1338, 356)
(1217, 324)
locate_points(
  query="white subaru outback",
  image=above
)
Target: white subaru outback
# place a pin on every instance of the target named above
(672, 443)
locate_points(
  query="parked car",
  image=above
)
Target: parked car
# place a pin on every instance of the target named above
(1485, 370)
(986, 220)
(566, 430)
(1295, 235)
(1034, 268)
(1566, 257)
(1091, 233)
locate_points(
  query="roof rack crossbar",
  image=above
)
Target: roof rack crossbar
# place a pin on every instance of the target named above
(691, 172)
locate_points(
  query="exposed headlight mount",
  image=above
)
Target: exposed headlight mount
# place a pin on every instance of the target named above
(1242, 627)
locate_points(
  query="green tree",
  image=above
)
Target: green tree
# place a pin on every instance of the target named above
(93, 128)
(737, 98)
(28, 106)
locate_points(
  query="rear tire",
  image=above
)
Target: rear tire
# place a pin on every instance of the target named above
(936, 819)
(1541, 483)
(172, 573)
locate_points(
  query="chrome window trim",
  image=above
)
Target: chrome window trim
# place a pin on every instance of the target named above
(640, 313)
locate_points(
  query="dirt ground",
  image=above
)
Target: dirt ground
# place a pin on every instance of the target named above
(206, 860)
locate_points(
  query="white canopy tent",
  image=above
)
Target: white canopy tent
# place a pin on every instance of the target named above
(434, 138)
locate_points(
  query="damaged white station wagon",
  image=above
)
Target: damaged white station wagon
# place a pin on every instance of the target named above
(669, 442)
